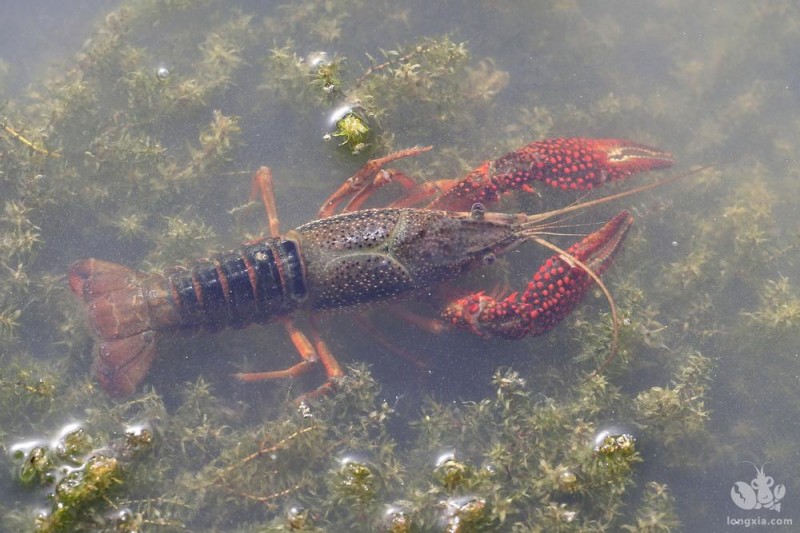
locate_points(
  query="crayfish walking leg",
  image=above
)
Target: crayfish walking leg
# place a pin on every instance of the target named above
(310, 352)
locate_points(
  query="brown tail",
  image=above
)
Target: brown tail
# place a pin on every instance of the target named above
(117, 309)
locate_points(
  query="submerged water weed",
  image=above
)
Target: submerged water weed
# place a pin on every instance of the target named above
(217, 143)
(78, 491)
(131, 226)
(779, 308)
(9, 323)
(656, 513)
(325, 73)
(79, 481)
(285, 73)
(21, 237)
(22, 139)
(677, 413)
(141, 158)
(535, 450)
(28, 388)
(353, 130)
(432, 75)
(421, 72)
(453, 472)
(181, 239)
(639, 330)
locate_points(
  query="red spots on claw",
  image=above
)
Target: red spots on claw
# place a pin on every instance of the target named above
(553, 292)
(568, 164)
(560, 283)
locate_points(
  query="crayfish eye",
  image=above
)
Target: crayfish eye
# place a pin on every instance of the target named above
(477, 211)
(489, 258)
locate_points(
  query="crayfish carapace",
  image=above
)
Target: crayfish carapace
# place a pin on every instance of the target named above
(362, 258)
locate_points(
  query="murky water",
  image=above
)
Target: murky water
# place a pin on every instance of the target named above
(131, 135)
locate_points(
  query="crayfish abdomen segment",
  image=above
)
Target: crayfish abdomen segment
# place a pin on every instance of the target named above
(256, 283)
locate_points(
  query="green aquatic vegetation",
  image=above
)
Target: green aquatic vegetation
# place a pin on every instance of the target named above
(144, 153)
(779, 309)
(75, 445)
(131, 226)
(513, 435)
(34, 146)
(466, 514)
(37, 466)
(324, 73)
(355, 483)
(657, 511)
(21, 237)
(640, 330)
(76, 492)
(353, 130)
(423, 73)
(314, 78)
(9, 323)
(217, 142)
(80, 482)
(27, 387)
(432, 75)
(749, 224)
(180, 239)
(240, 469)
(486, 80)
(532, 122)
(452, 473)
(285, 74)
(676, 415)
(694, 269)
(221, 53)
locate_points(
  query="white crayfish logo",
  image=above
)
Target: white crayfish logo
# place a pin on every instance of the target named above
(758, 493)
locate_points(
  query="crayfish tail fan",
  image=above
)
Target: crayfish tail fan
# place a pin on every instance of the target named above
(117, 305)
(121, 364)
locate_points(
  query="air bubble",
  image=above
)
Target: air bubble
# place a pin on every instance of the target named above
(297, 517)
(317, 59)
(396, 519)
(465, 513)
(614, 441)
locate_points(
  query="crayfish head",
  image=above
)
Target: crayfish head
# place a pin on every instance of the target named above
(440, 245)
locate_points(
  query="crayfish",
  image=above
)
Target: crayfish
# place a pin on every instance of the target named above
(353, 258)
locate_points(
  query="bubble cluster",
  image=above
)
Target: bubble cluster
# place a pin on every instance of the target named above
(464, 514)
(451, 472)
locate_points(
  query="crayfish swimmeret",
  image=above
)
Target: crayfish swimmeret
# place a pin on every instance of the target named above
(361, 258)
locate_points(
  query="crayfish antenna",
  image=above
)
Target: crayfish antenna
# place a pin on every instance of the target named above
(540, 217)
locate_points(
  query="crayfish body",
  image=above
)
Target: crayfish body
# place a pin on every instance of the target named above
(347, 261)
(362, 258)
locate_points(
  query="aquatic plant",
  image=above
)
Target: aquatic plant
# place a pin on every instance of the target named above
(139, 146)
